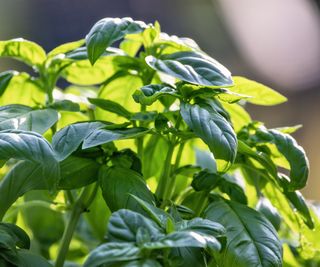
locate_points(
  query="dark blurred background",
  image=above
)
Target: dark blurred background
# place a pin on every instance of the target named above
(274, 42)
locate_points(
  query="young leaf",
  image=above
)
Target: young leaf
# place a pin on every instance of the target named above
(125, 224)
(214, 130)
(252, 240)
(103, 136)
(68, 139)
(19, 236)
(5, 78)
(112, 253)
(148, 94)
(21, 117)
(26, 51)
(111, 106)
(192, 67)
(107, 31)
(118, 183)
(261, 94)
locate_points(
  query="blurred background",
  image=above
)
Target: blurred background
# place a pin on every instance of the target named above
(274, 42)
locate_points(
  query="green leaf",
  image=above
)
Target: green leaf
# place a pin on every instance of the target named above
(30, 259)
(77, 172)
(299, 203)
(205, 181)
(252, 240)
(47, 225)
(103, 136)
(295, 155)
(261, 94)
(111, 106)
(238, 115)
(65, 105)
(185, 239)
(270, 212)
(112, 253)
(118, 183)
(18, 236)
(69, 138)
(214, 130)
(23, 89)
(192, 67)
(64, 48)
(107, 31)
(142, 263)
(31, 147)
(20, 117)
(23, 177)
(203, 226)
(157, 215)
(124, 226)
(5, 78)
(148, 94)
(26, 51)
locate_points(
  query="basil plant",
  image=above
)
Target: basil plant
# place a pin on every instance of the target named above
(146, 157)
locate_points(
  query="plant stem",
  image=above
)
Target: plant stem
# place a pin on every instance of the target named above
(172, 178)
(166, 172)
(201, 202)
(83, 202)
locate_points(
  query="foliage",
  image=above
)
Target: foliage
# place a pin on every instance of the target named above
(147, 158)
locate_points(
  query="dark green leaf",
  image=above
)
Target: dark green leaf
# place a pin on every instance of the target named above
(26, 51)
(23, 177)
(31, 260)
(65, 105)
(265, 207)
(18, 236)
(5, 78)
(68, 139)
(21, 117)
(118, 183)
(31, 147)
(125, 224)
(107, 31)
(214, 130)
(205, 180)
(295, 154)
(142, 263)
(299, 203)
(148, 94)
(103, 136)
(110, 106)
(112, 253)
(185, 239)
(157, 215)
(77, 172)
(252, 240)
(193, 67)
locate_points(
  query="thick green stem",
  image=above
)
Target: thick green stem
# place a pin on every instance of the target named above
(172, 178)
(166, 172)
(82, 203)
(201, 202)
